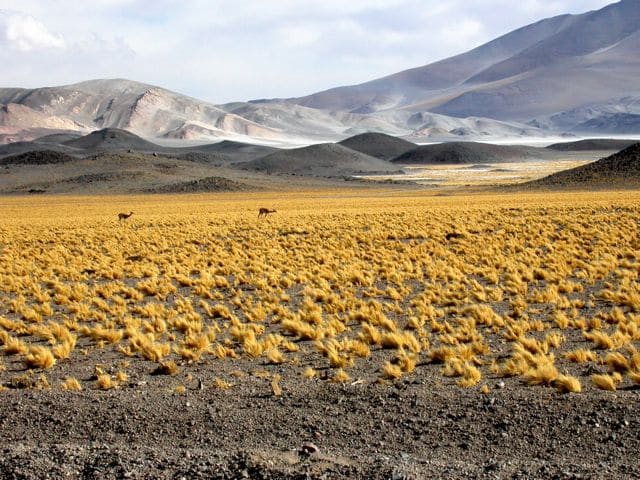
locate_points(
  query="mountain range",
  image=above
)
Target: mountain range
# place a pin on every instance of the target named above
(570, 73)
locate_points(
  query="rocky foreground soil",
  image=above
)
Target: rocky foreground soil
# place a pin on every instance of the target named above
(319, 430)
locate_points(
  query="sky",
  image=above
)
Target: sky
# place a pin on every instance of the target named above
(236, 50)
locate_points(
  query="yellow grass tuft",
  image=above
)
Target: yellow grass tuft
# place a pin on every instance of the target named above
(471, 376)
(105, 382)
(72, 384)
(617, 362)
(604, 382)
(275, 385)
(581, 356)
(391, 371)
(275, 356)
(167, 368)
(309, 372)
(340, 376)
(567, 384)
(544, 374)
(40, 357)
(221, 384)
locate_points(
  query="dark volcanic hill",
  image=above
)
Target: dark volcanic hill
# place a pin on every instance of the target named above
(466, 153)
(621, 168)
(379, 145)
(592, 144)
(236, 151)
(112, 139)
(37, 157)
(322, 160)
(17, 148)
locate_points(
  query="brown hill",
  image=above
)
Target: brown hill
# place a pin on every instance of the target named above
(379, 145)
(112, 139)
(322, 160)
(234, 151)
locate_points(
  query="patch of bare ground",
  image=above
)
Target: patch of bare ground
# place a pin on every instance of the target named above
(410, 429)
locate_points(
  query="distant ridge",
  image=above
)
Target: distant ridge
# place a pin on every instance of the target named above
(592, 144)
(620, 123)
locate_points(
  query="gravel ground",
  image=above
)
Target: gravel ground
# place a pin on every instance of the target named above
(411, 429)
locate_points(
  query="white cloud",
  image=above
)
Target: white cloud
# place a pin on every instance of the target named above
(301, 35)
(25, 33)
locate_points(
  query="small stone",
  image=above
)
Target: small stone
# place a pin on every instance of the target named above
(501, 384)
(309, 448)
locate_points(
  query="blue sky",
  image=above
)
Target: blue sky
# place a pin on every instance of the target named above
(226, 50)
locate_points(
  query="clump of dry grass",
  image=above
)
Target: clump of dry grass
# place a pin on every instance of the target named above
(167, 368)
(105, 382)
(567, 384)
(72, 384)
(604, 381)
(40, 357)
(309, 372)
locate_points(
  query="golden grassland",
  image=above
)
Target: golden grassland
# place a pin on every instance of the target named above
(337, 286)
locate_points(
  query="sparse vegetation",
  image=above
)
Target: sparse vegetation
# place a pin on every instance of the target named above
(370, 285)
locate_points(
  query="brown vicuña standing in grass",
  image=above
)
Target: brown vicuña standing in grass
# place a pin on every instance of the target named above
(264, 212)
(124, 216)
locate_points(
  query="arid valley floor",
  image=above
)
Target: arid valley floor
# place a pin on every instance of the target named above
(356, 332)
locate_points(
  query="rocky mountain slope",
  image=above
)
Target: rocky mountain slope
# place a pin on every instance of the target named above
(145, 110)
(559, 64)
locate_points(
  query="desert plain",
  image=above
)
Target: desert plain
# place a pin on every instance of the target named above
(356, 332)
